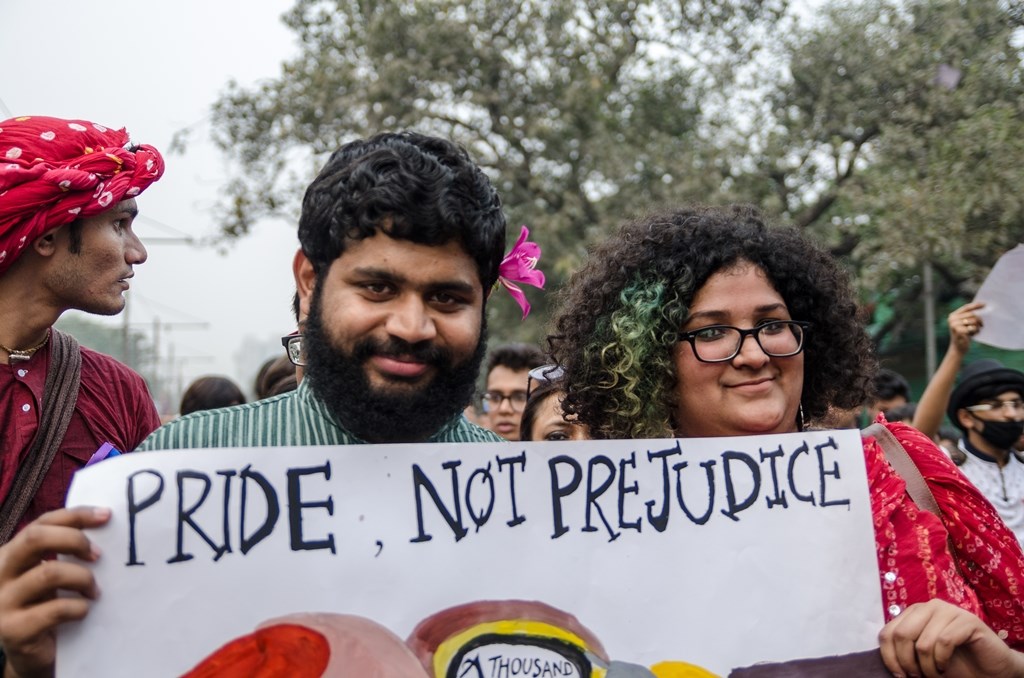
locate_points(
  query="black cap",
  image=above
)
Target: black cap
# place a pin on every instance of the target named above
(981, 373)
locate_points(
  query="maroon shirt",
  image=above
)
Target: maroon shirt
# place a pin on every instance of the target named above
(113, 406)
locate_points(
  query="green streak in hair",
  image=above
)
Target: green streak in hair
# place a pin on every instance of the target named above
(635, 358)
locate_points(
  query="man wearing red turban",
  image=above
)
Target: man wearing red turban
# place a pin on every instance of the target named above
(67, 201)
(54, 171)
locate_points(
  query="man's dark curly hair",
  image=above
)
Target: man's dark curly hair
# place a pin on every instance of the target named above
(409, 186)
(619, 317)
(516, 357)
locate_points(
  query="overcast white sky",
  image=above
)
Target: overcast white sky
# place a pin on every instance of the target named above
(154, 68)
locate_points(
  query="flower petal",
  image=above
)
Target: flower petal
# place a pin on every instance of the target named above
(522, 271)
(520, 266)
(532, 277)
(529, 250)
(513, 253)
(524, 233)
(518, 295)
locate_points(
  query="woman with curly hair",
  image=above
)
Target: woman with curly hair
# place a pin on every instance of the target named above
(707, 322)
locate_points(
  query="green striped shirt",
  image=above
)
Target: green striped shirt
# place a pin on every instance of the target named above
(290, 419)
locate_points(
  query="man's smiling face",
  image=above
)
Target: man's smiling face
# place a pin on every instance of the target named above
(395, 336)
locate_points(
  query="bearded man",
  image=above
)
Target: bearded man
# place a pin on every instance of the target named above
(401, 238)
(67, 202)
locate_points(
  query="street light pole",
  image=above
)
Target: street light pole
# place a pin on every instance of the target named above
(929, 319)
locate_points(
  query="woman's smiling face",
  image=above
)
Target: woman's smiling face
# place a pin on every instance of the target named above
(752, 393)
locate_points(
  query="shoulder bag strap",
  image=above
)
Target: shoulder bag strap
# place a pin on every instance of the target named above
(917, 487)
(901, 462)
(59, 396)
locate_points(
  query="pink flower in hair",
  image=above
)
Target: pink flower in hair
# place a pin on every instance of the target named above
(520, 266)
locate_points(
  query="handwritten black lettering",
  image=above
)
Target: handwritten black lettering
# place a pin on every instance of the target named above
(660, 521)
(791, 472)
(421, 481)
(227, 475)
(185, 517)
(559, 491)
(296, 505)
(709, 476)
(270, 501)
(734, 507)
(624, 489)
(136, 507)
(511, 463)
(594, 493)
(834, 472)
(778, 497)
(486, 480)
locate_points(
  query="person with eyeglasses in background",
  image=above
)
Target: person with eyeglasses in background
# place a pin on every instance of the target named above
(504, 397)
(706, 322)
(987, 405)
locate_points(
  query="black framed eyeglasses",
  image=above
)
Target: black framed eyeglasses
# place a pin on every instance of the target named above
(293, 346)
(491, 400)
(721, 343)
(545, 374)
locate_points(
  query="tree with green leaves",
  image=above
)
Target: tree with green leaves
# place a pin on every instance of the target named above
(892, 130)
(581, 111)
(896, 134)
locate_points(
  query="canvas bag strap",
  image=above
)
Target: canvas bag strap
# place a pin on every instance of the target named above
(917, 487)
(60, 396)
(901, 462)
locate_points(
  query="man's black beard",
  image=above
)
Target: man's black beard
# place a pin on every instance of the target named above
(339, 380)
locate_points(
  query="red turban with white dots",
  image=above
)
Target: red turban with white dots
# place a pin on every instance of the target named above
(53, 171)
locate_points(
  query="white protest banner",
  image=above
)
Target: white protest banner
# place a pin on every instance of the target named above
(617, 558)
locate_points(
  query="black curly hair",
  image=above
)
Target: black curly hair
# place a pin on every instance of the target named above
(620, 315)
(410, 186)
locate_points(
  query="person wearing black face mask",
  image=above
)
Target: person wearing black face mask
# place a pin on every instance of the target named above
(988, 406)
